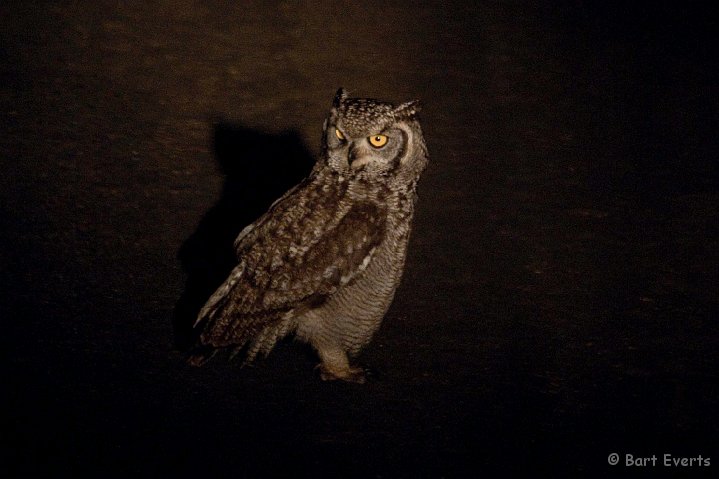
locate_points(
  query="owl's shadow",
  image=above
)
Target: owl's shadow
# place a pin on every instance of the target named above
(258, 168)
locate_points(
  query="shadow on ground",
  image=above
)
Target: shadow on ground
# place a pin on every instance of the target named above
(258, 168)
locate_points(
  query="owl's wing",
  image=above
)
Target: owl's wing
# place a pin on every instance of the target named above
(245, 238)
(279, 277)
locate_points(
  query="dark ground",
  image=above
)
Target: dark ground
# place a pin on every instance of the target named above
(560, 299)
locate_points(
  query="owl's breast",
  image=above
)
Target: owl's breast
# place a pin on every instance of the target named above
(354, 312)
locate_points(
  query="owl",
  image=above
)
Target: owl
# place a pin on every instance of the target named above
(324, 261)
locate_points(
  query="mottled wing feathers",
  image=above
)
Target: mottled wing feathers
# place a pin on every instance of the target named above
(248, 235)
(287, 267)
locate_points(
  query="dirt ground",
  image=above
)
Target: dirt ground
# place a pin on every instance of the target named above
(560, 298)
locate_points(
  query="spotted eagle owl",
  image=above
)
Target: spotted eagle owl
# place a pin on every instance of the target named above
(325, 260)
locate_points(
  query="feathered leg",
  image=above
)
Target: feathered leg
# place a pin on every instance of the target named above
(335, 365)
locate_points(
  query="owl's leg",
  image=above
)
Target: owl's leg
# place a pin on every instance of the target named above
(335, 365)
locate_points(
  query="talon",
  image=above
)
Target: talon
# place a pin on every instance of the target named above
(352, 375)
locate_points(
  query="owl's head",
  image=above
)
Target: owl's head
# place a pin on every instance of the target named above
(370, 138)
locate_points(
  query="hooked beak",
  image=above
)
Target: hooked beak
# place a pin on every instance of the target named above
(355, 158)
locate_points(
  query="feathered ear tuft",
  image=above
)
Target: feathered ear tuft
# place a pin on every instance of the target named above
(408, 109)
(340, 96)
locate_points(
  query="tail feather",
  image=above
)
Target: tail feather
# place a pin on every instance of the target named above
(265, 341)
(219, 298)
(232, 319)
(245, 338)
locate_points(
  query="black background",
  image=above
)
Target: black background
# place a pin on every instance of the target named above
(560, 297)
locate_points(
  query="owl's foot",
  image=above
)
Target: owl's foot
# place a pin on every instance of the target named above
(335, 365)
(351, 375)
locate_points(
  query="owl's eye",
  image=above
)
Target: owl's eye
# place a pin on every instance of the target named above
(339, 134)
(378, 141)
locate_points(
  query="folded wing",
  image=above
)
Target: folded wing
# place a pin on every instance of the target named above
(286, 268)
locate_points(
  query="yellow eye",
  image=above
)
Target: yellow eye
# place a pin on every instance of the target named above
(378, 141)
(339, 134)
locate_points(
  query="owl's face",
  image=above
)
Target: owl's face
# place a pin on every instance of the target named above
(368, 138)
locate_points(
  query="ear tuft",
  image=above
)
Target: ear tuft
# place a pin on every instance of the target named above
(340, 96)
(408, 109)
